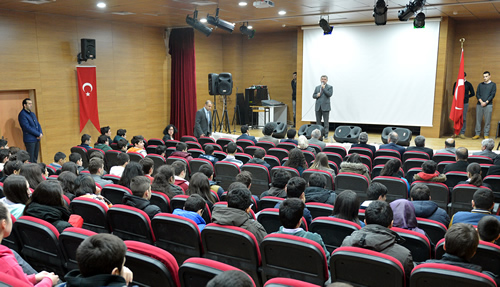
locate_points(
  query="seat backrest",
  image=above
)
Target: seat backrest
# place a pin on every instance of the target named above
(272, 160)
(93, 213)
(439, 157)
(415, 154)
(152, 266)
(269, 202)
(171, 143)
(158, 161)
(487, 256)
(251, 149)
(309, 156)
(178, 235)
(442, 165)
(178, 201)
(193, 145)
(83, 153)
(69, 240)
(260, 177)
(265, 145)
(270, 220)
(454, 177)
(461, 197)
(130, 223)
(188, 139)
(282, 282)
(387, 152)
(336, 149)
(135, 156)
(286, 145)
(416, 242)
(493, 181)
(411, 173)
(293, 172)
(198, 271)
(353, 181)
(362, 150)
(225, 172)
(243, 157)
(196, 163)
(298, 257)
(115, 192)
(479, 159)
(161, 200)
(234, 246)
(114, 178)
(223, 141)
(172, 159)
(366, 160)
(413, 162)
(205, 140)
(244, 143)
(374, 267)
(318, 209)
(280, 153)
(155, 141)
(335, 157)
(438, 275)
(330, 184)
(383, 159)
(333, 230)
(195, 152)
(396, 187)
(435, 230)
(439, 192)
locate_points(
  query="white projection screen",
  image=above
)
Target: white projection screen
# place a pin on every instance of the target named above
(381, 75)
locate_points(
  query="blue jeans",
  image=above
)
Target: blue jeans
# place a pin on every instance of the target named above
(32, 149)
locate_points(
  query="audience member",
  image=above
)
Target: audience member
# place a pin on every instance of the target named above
(209, 154)
(258, 158)
(316, 138)
(121, 134)
(22, 156)
(392, 168)
(67, 180)
(85, 141)
(346, 207)
(296, 160)
(199, 184)
(17, 193)
(103, 143)
(33, 174)
(392, 144)
(106, 131)
(122, 159)
(493, 170)
(429, 173)
(4, 157)
(161, 150)
(290, 137)
(376, 191)
(244, 177)
(164, 182)
(278, 184)
(482, 204)
(303, 145)
(169, 132)
(363, 142)
(487, 146)
(321, 163)
(489, 229)
(141, 194)
(122, 145)
(59, 160)
(420, 146)
(69, 166)
(317, 192)
(193, 209)
(180, 173)
(43, 168)
(11, 167)
(96, 169)
(181, 151)
(132, 170)
(404, 217)
(295, 189)
(207, 170)
(245, 135)
(449, 146)
(474, 176)
(4, 144)
(138, 142)
(77, 158)
(352, 163)
(231, 150)
(462, 154)
(231, 278)
(420, 195)
(268, 131)
(148, 167)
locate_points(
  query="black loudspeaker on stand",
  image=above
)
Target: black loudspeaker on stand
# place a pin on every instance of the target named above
(220, 84)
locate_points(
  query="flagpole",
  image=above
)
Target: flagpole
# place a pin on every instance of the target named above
(462, 40)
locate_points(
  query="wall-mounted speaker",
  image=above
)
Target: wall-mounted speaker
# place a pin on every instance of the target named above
(225, 84)
(88, 50)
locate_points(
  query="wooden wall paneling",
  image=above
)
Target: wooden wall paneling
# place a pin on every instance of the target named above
(300, 62)
(232, 59)
(10, 106)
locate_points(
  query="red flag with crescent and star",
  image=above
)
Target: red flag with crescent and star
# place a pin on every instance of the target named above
(87, 96)
(457, 108)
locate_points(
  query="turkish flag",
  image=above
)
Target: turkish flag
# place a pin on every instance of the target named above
(87, 96)
(457, 108)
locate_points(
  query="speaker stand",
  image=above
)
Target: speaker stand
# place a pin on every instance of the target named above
(225, 117)
(215, 115)
(236, 114)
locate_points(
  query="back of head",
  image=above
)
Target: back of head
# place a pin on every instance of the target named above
(207, 170)
(316, 134)
(3, 143)
(67, 180)
(102, 139)
(419, 141)
(295, 187)
(244, 177)
(376, 190)
(393, 137)
(317, 180)
(236, 185)
(147, 164)
(474, 173)
(194, 203)
(302, 142)
(49, 193)
(15, 189)
(291, 212)
(462, 153)
(404, 214)
(346, 206)
(488, 228)
(244, 129)
(363, 138)
(209, 149)
(181, 146)
(280, 178)
(22, 156)
(461, 240)
(84, 138)
(320, 162)
(391, 167)
(75, 157)
(100, 254)
(139, 185)
(11, 166)
(161, 149)
(291, 133)
(269, 129)
(231, 278)
(85, 184)
(488, 144)
(4, 153)
(95, 164)
(449, 142)
(353, 158)
(131, 170)
(96, 154)
(379, 212)
(259, 153)
(420, 191)
(70, 166)
(239, 198)
(105, 130)
(178, 167)
(483, 199)
(121, 144)
(122, 158)
(429, 166)
(136, 139)
(33, 174)
(121, 132)
(58, 156)
(199, 184)
(231, 147)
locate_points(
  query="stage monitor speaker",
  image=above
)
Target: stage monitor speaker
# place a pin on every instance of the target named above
(404, 135)
(225, 84)
(347, 134)
(212, 84)
(307, 129)
(88, 49)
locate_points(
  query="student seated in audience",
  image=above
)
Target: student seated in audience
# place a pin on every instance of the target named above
(103, 143)
(316, 138)
(489, 229)
(346, 207)
(169, 132)
(69, 166)
(43, 167)
(4, 157)
(121, 134)
(258, 158)
(245, 135)
(317, 192)
(209, 154)
(193, 209)
(420, 146)
(67, 180)
(96, 169)
(420, 195)
(33, 174)
(278, 184)
(85, 186)
(363, 140)
(181, 151)
(59, 160)
(295, 189)
(487, 146)
(180, 175)
(296, 160)
(132, 170)
(236, 213)
(77, 159)
(460, 245)
(291, 211)
(122, 145)
(449, 146)
(11, 167)
(482, 204)
(462, 154)
(392, 169)
(148, 167)
(231, 150)
(106, 131)
(378, 236)
(122, 159)
(138, 142)
(290, 137)
(352, 163)
(231, 278)
(207, 170)
(429, 173)
(101, 262)
(17, 193)
(47, 203)
(4, 144)
(404, 217)
(268, 131)
(376, 191)
(141, 194)
(164, 182)
(85, 141)
(199, 184)
(321, 163)
(474, 176)
(8, 263)
(303, 145)
(392, 144)
(161, 150)
(22, 156)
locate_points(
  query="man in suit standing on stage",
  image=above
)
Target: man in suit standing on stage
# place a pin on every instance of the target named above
(203, 121)
(322, 94)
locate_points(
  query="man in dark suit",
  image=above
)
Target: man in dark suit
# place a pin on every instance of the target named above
(245, 135)
(203, 121)
(462, 154)
(420, 146)
(322, 94)
(393, 139)
(363, 139)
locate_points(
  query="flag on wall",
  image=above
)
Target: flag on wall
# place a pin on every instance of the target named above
(87, 96)
(457, 108)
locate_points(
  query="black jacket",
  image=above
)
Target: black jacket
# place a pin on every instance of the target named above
(142, 204)
(318, 194)
(74, 279)
(56, 215)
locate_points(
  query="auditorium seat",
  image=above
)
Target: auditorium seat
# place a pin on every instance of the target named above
(243, 143)
(260, 177)
(243, 157)
(439, 192)
(115, 192)
(93, 213)
(396, 187)
(387, 152)
(352, 181)
(439, 275)
(286, 145)
(415, 154)
(330, 185)
(362, 150)
(434, 229)
(418, 244)
(161, 200)
(205, 140)
(69, 241)
(226, 172)
(196, 272)
(280, 153)
(439, 157)
(186, 138)
(130, 223)
(318, 209)
(336, 149)
(333, 230)
(196, 163)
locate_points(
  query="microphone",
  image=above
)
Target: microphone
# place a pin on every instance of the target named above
(261, 80)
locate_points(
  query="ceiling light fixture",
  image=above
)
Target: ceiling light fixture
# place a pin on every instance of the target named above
(327, 29)
(419, 21)
(193, 22)
(101, 5)
(282, 12)
(410, 9)
(203, 20)
(380, 12)
(219, 23)
(247, 30)
(243, 4)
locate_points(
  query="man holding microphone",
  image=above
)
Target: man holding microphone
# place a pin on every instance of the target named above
(322, 94)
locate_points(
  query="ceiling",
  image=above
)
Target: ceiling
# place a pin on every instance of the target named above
(172, 13)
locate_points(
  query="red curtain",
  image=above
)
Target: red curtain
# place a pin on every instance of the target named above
(183, 80)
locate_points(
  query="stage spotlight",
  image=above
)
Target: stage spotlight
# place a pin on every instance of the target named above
(327, 29)
(380, 12)
(245, 30)
(215, 21)
(419, 21)
(410, 10)
(193, 22)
